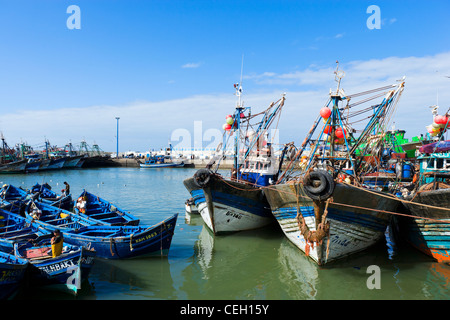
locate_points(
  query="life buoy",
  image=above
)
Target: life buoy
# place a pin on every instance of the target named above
(319, 185)
(415, 178)
(202, 177)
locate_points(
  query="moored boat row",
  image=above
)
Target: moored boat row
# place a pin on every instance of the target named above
(56, 247)
(341, 189)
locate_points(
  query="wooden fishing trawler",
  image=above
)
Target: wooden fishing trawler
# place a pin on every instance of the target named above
(427, 223)
(319, 201)
(238, 203)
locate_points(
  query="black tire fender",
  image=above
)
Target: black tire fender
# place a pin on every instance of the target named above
(202, 177)
(315, 182)
(326, 186)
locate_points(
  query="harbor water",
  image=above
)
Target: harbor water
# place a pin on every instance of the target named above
(255, 265)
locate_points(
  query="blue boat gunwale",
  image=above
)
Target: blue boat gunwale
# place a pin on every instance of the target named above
(109, 210)
(92, 226)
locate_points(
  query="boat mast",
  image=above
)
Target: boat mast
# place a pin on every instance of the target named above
(237, 120)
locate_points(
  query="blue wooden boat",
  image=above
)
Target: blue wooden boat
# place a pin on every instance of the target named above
(161, 161)
(16, 229)
(17, 197)
(64, 271)
(45, 194)
(428, 206)
(12, 273)
(110, 242)
(100, 209)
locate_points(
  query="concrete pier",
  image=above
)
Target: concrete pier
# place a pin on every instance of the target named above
(197, 163)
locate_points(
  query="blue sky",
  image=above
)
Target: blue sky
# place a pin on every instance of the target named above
(161, 65)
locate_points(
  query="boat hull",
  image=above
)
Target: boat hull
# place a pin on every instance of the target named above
(60, 272)
(428, 227)
(12, 273)
(356, 217)
(230, 206)
(14, 167)
(162, 165)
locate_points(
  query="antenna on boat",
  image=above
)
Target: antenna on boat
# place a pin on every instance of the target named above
(339, 74)
(238, 86)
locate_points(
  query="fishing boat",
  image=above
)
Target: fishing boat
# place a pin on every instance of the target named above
(32, 165)
(190, 206)
(238, 203)
(16, 229)
(45, 194)
(319, 201)
(160, 161)
(97, 208)
(109, 242)
(65, 270)
(9, 162)
(72, 162)
(426, 224)
(14, 196)
(17, 166)
(12, 274)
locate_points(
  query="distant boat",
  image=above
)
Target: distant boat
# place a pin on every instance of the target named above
(12, 271)
(100, 209)
(109, 242)
(56, 163)
(190, 206)
(72, 162)
(161, 161)
(14, 167)
(33, 165)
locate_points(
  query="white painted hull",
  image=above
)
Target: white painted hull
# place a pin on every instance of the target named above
(355, 217)
(344, 239)
(228, 219)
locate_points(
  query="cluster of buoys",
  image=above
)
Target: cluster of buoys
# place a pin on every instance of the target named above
(440, 124)
(339, 133)
(229, 122)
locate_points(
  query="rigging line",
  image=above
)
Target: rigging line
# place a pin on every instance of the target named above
(370, 91)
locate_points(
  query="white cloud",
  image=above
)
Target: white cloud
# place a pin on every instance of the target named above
(191, 65)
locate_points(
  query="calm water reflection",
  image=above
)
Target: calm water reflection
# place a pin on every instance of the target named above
(254, 265)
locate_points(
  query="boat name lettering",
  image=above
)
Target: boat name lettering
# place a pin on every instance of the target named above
(234, 215)
(342, 242)
(57, 266)
(149, 236)
(9, 275)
